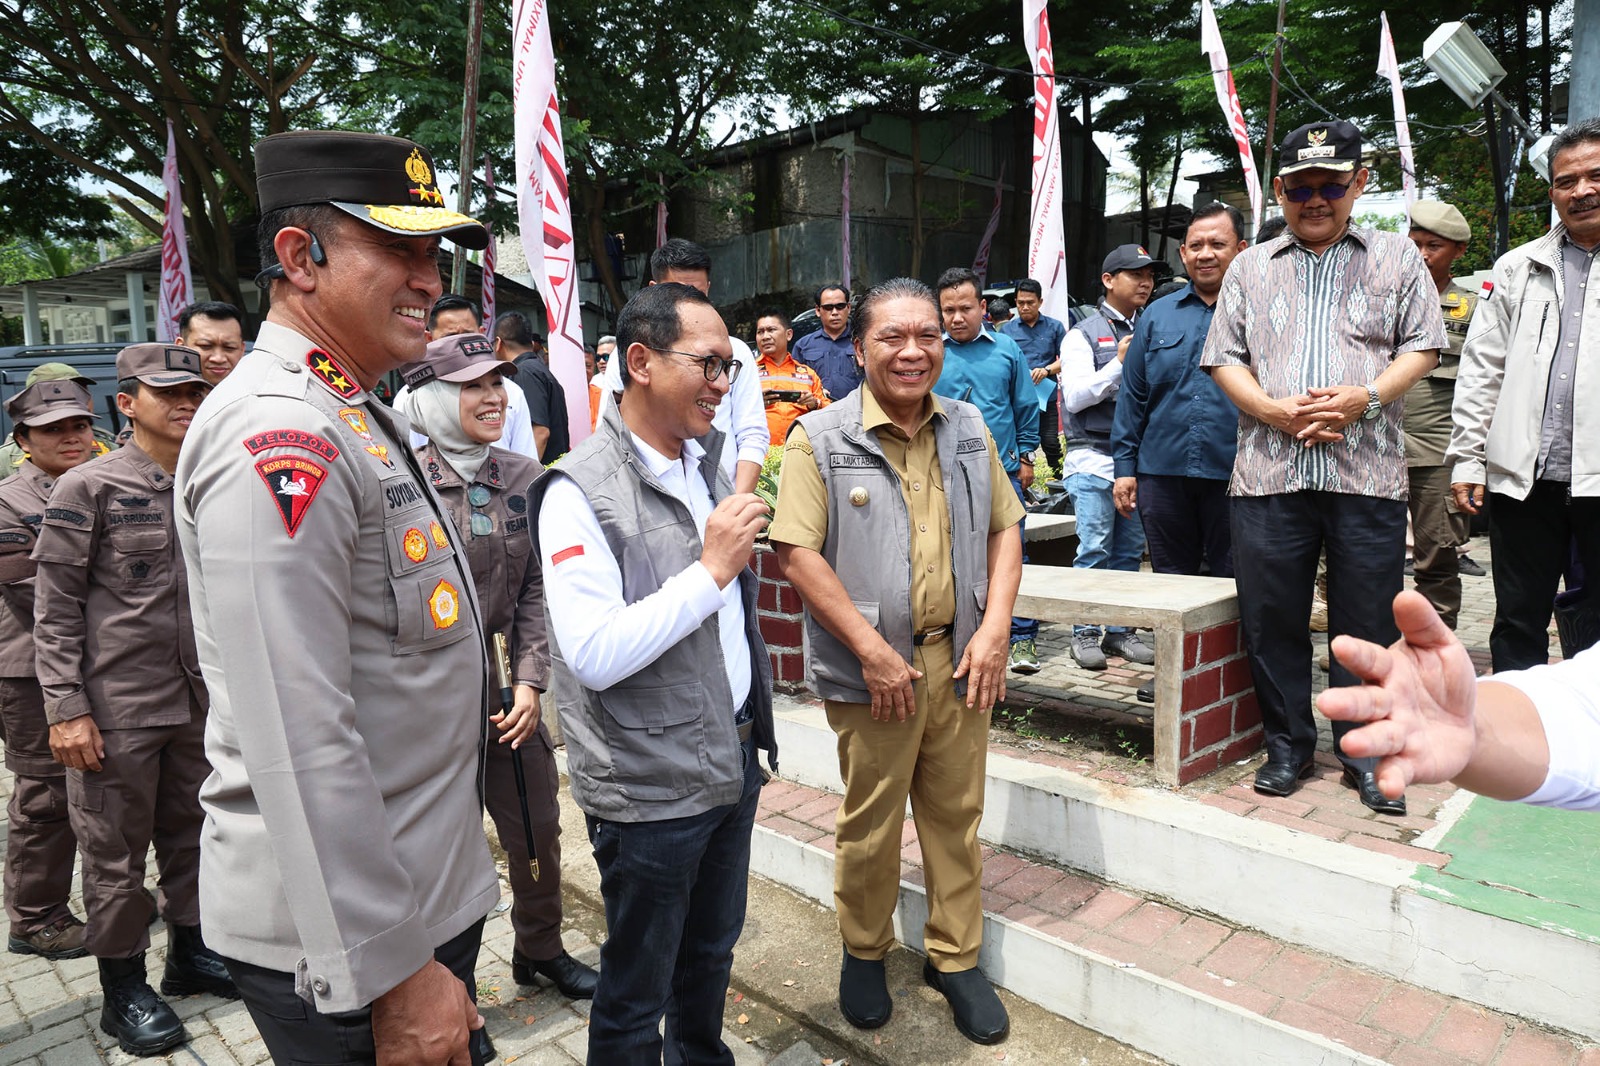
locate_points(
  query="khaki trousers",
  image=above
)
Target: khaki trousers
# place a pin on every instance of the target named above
(147, 792)
(937, 758)
(1437, 529)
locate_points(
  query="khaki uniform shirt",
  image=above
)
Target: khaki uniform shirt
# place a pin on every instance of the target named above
(505, 570)
(343, 838)
(802, 517)
(22, 503)
(1427, 416)
(112, 628)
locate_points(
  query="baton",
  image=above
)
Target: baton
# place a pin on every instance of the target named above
(502, 674)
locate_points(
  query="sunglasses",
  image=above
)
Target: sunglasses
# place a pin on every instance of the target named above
(1303, 193)
(710, 365)
(832, 307)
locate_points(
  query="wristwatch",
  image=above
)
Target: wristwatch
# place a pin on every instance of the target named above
(1374, 403)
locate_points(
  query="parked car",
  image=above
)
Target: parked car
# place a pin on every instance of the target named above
(97, 361)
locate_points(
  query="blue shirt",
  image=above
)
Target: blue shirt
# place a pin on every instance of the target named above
(991, 373)
(1172, 420)
(834, 360)
(1040, 342)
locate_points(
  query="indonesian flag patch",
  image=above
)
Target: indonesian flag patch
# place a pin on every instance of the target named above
(293, 482)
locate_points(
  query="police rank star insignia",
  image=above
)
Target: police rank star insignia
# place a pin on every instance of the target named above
(326, 369)
(858, 497)
(293, 481)
(444, 605)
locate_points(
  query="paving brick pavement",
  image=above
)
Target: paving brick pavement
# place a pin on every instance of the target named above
(1370, 1012)
(50, 1011)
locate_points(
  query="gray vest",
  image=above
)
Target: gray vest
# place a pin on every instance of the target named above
(1092, 425)
(868, 545)
(661, 743)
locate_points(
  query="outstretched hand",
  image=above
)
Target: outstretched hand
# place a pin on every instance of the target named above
(1418, 700)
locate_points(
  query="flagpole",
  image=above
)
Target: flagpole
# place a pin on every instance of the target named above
(469, 122)
(489, 252)
(1272, 100)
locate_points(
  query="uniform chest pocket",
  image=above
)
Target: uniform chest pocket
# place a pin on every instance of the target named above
(1163, 360)
(431, 608)
(139, 556)
(1535, 316)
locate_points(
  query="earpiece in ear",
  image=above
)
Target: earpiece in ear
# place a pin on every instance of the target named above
(318, 256)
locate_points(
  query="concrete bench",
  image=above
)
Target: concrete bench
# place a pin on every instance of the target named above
(1037, 528)
(1205, 712)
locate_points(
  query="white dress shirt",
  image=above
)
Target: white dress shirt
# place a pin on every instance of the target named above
(605, 639)
(516, 429)
(741, 415)
(1567, 697)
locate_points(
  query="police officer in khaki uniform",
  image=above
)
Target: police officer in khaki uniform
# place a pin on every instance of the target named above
(52, 424)
(12, 454)
(457, 399)
(123, 695)
(908, 653)
(1437, 528)
(344, 874)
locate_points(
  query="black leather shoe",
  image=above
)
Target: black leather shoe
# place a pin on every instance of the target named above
(141, 1021)
(1281, 778)
(1366, 786)
(979, 1014)
(481, 1046)
(193, 968)
(572, 978)
(864, 992)
(1146, 692)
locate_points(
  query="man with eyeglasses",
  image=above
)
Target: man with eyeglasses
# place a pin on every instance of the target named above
(1519, 432)
(661, 677)
(831, 350)
(1316, 338)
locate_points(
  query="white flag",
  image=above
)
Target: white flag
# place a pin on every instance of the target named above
(544, 207)
(1047, 254)
(177, 284)
(1389, 68)
(1228, 98)
(980, 262)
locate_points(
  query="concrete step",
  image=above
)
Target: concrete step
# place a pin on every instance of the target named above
(1355, 916)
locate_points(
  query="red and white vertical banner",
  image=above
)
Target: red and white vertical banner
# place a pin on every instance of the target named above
(1228, 98)
(980, 262)
(661, 212)
(1389, 67)
(1047, 249)
(489, 252)
(544, 206)
(844, 225)
(177, 284)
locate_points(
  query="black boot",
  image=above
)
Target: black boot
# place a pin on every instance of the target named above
(572, 978)
(192, 967)
(140, 1020)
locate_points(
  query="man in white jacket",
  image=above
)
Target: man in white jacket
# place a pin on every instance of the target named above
(1519, 431)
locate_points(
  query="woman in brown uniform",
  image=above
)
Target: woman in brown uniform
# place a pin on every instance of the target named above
(457, 399)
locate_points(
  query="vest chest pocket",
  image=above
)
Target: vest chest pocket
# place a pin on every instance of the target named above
(657, 739)
(138, 556)
(431, 608)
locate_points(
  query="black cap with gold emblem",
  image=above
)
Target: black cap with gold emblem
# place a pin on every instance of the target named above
(386, 182)
(1332, 146)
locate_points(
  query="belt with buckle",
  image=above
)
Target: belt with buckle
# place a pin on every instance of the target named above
(930, 636)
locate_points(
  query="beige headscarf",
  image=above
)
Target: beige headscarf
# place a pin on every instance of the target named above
(435, 411)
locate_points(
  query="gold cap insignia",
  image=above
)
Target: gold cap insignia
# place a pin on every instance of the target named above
(858, 497)
(1317, 137)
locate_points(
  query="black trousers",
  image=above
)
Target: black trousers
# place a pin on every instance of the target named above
(296, 1034)
(1530, 540)
(1186, 520)
(1050, 430)
(1281, 537)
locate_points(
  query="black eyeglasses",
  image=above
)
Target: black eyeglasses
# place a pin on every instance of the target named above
(710, 365)
(1332, 191)
(832, 307)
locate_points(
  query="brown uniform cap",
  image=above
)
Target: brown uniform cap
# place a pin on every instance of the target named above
(1438, 217)
(461, 357)
(387, 182)
(161, 365)
(45, 402)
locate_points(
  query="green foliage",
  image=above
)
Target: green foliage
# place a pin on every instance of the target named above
(1373, 220)
(1463, 178)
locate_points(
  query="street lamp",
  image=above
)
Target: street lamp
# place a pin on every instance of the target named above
(1466, 65)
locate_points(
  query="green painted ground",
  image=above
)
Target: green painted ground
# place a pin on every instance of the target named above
(1527, 864)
